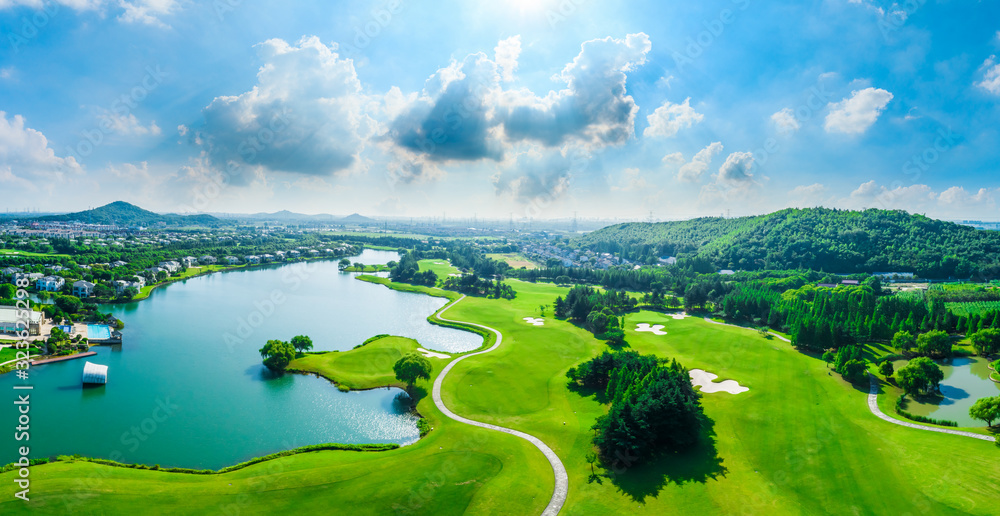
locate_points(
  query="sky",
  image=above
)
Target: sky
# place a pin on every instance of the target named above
(520, 108)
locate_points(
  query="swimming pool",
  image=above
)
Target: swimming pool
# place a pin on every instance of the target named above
(98, 332)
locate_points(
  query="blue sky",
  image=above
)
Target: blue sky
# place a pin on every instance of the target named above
(532, 108)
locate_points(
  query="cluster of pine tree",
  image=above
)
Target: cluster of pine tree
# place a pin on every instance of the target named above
(598, 311)
(473, 285)
(407, 270)
(653, 409)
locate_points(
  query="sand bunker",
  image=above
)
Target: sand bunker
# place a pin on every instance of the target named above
(705, 380)
(656, 329)
(535, 321)
(431, 354)
(682, 315)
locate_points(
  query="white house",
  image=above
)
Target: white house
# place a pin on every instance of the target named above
(189, 261)
(30, 277)
(122, 285)
(50, 284)
(232, 260)
(208, 259)
(293, 253)
(83, 289)
(267, 258)
(118, 263)
(280, 255)
(313, 252)
(171, 266)
(252, 259)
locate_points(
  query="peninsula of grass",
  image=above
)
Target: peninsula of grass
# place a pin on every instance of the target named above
(367, 268)
(365, 367)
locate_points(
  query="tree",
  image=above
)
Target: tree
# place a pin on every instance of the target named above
(7, 291)
(903, 341)
(277, 354)
(986, 342)
(920, 375)
(986, 409)
(855, 370)
(563, 280)
(886, 369)
(412, 367)
(129, 293)
(934, 343)
(360, 267)
(591, 459)
(829, 356)
(301, 343)
(343, 264)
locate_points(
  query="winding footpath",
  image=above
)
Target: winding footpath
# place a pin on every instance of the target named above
(561, 479)
(873, 406)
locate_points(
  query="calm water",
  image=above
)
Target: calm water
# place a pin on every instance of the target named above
(966, 380)
(187, 387)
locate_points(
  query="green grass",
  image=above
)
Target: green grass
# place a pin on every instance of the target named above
(366, 367)
(440, 267)
(7, 354)
(29, 254)
(367, 268)
(515, 260)
(801, 441)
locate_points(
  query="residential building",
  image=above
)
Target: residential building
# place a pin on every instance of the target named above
(82, 289)
(252, 259)
(12, 320)
(189, 261)
(208, 259)
(171, 266)
(50, 284)
(232, 260)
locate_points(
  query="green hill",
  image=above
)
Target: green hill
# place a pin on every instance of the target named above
(815, 238)
(125, 214)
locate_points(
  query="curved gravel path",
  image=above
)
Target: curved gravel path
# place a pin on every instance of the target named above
(561, 479)
(873, 406)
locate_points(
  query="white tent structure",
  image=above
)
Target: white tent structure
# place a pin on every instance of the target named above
(95, 373)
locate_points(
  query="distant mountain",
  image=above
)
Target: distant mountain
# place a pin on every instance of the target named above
(354, 218)
(125, 214)
(284, 215)
(817, 238)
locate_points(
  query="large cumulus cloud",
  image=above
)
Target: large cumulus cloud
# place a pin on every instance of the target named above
(306, 115)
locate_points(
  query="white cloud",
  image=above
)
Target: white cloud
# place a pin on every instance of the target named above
(736, 169)
(126, 125)
(25, 154)
(506, 54)
(959, 197)
(306, 115)
(6, 72)
(785, 121)
(669, 118)
(805, 196)
(594, 109)
(692, 171)
(148, 12)
(991, 76)
(632, 181)
(674, 158)
(854, 115)
(953, 202)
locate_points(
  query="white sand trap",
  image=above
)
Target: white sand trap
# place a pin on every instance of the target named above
(656, 329)
(431, 354)
(455, 275)
(682, 315)
(536, 321)
(705, 380)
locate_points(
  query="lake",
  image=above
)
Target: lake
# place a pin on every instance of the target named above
(187, 387)
(966, 379)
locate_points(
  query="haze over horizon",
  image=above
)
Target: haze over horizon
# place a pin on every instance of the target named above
(535, 108)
